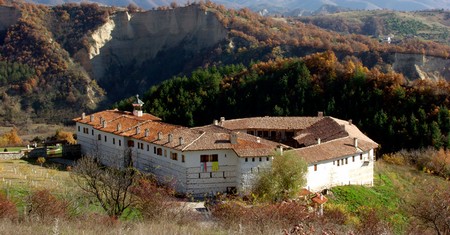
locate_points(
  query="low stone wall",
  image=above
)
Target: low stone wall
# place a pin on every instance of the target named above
(10, 155)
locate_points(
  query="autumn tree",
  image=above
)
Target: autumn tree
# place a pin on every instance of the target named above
(432, 209)
(65, 136)
(109, 185)
(10, 138)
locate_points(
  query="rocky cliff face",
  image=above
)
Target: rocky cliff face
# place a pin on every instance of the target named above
(415, 66)
(134, 39)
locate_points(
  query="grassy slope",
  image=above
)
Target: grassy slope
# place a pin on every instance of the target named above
(392, 187)
(18, 178)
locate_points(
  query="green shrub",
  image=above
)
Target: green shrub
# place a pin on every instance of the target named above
(283, 180)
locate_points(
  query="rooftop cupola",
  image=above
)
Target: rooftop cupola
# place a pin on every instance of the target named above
(137, 107)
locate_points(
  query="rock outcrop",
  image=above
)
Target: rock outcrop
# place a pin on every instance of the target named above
(134, 38)
(415, 66)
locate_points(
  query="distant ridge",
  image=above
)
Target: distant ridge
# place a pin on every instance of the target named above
(287, 7)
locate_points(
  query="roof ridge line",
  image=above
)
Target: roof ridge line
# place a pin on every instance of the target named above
(204, 132)
(132, 127)
(314, 145)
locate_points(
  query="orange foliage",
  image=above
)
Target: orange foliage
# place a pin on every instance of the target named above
(10, 138)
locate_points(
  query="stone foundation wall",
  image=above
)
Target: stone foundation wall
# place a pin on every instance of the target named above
(10, 155)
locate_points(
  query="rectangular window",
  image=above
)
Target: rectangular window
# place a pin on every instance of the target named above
(148, 147)
(260, 133)
(342, 161)
(120, 142)
(154, 150)
(182, 158)
(251, 132)
(267, 159)
(209, 158)
(360, 156)
(253, 159)
(79, 128)
(165, 152)
(346, 161)
(315, 167)
(273, 134)
(338, 162)
(353, 158)
(99, 137)
(114, 140)
(159, 151)
(246, 159)
(92, 132)
(130, 143)
(174, 156)
(106, 138)
(260, 159)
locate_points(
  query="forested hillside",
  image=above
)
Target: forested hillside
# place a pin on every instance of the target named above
(38, 78)
(395, 114)
(56, 62)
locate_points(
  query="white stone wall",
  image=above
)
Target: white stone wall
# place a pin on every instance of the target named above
(327, 174)
(107, 150)
(248, 170)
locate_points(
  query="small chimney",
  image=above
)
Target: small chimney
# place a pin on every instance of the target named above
(222, 119)
(138, 130)
(258, 140)
(319, 114)
(280, 149)
(147, 132)
(159, 135)
(170, 138)
(83, 116)
(181, 140)
(215, 122)
(350, 122)
(233, 137)
(119, 127)
(101, 120)
(103, 123)
(318, 141)
(92, 117)
(355, 142)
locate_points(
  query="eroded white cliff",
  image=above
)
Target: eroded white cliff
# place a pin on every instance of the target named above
(416, 66)
(138, 37)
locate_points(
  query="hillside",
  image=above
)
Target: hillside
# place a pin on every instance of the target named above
(56, 62)
(425, 25)
(287, 7)
(387, 206)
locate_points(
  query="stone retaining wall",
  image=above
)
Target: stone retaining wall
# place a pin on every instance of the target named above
(10, 155)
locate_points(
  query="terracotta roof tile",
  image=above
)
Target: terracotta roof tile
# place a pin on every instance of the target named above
(333, 149)
(200, 138)
(326, 129)
(216, 137)
(280, 123)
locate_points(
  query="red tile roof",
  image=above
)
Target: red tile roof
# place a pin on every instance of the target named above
(216, 137)
(326, 129)
(270, 123)
(333, 149)
(200, 138)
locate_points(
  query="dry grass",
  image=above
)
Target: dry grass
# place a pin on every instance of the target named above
(22, 174)
(87, 228)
